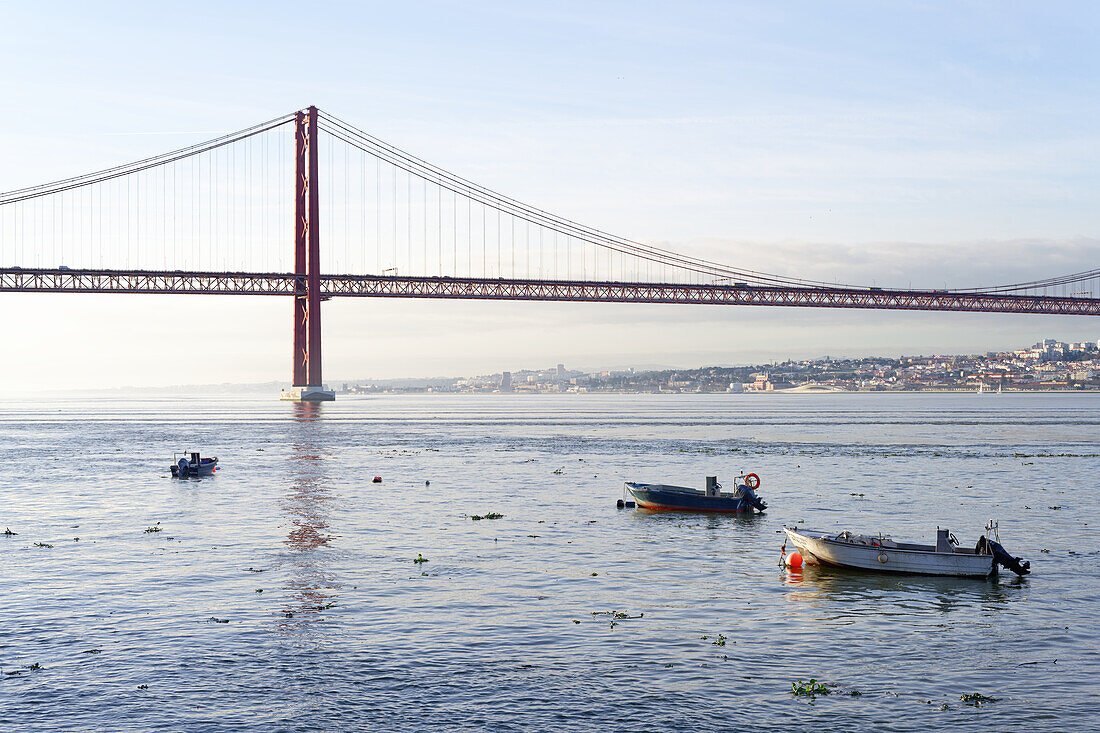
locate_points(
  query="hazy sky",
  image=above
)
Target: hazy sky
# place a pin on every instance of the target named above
(894, 143)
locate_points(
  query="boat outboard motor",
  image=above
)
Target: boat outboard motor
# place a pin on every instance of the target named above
(746, 494)
(987, 546)
(184, 467)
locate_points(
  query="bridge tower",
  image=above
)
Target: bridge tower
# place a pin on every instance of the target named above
(307, 383)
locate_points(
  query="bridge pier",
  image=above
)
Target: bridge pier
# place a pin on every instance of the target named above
(308, 385)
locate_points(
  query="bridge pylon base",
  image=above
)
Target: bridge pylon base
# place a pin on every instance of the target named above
(310, 393)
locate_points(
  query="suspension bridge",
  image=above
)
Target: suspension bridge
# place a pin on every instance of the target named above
(243, 214)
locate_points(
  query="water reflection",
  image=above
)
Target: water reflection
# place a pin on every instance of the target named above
(822, 593)
(697, 519)
(311, 585)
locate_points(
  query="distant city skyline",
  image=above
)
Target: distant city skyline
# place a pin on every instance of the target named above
(1042, 354)
(1049, 365)
(932, 145)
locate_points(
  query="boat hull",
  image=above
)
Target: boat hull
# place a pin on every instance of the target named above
(817, 549)
(206, 468)
(661, 498)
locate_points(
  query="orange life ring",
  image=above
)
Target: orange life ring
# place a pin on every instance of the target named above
(752, 481)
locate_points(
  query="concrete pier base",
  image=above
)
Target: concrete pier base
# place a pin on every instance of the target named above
(310, 393)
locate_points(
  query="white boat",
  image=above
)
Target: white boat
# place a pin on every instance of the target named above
(879, 553)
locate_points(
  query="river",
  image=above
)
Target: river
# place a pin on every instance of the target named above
(281, 594)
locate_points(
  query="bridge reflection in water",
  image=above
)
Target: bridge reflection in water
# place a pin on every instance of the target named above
(312, 587)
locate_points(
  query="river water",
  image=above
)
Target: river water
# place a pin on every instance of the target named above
(281, 594)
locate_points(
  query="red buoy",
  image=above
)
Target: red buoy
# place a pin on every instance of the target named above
(794, 560)
(377, 480)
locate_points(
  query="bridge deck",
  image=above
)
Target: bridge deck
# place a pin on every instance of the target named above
(470, 288)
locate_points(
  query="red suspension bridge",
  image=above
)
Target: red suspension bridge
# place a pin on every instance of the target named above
(240, 215)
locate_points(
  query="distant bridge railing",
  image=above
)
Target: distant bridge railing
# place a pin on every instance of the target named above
(471, 288)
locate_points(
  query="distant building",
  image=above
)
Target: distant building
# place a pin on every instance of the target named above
(762, 383)
(506, 382)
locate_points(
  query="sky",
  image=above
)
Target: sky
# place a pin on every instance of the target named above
(889, 144)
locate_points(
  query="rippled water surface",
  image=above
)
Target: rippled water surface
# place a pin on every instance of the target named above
(281, 594)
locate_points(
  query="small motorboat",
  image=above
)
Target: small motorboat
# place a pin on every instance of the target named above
(661, 497)
(190, 464)
(882, 554)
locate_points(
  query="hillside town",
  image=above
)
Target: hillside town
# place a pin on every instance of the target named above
(1048, 365)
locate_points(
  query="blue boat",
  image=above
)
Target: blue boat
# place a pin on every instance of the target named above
(661, 497)
(191, 464)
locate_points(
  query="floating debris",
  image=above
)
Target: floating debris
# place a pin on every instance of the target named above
(217, 620)
(143, 687)
(43, 544)
(259, 590)
(720, 641)
(811, 689)
(322, 608)
(617, 614)
(154, 528)
(490, 515)
(36, 667)
(558, 471)
(289, 614)
(9, 533)
(252, 569)
(419, 559)
(977, 699)
(594, 574)
(92, 651)
(613, 614)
